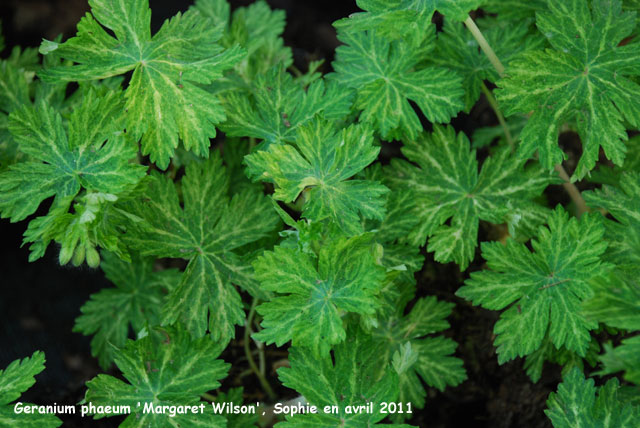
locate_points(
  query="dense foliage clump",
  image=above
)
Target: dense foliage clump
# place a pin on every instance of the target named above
(222, 190)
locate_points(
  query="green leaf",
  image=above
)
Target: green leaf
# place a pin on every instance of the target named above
(457, 50)
(484, 136)
(356, 376)
(542, 290)
(446, 185)
(578, 403)
(616, 301)
(164, 101)
(583, 79)
(14, 380)
(237, 420)
(258, 29)
(434, 363)
(278, 106)
(91, 153)
(208, 232)
(386, 76)
(14, 87)
(173, 370)
(625, 357)
(312, 295)
(135, 301)
(612, 174)
(14, 94)
(623, 203)
(218, 11)
(406, 19)
(534, 362)
(515, 10)
(320, 165)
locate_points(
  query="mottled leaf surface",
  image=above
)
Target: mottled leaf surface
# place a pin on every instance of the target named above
(258, 29)
(542, 290)
(623, 233)
(277, 106)
(587, 78)
(579, 403)
(320, 166)
(356, 376)
(207, 230)
(14, 380)
(433, 360)
(312, 294)
(457, 50)
(171, 370)
(134, 303)
(164, 99)
(90, 153)
(408, 19)
(446, 184)
(387, 76)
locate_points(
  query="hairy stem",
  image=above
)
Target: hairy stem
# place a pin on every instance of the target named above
(496, 109)
(247, 350)
(572, 190)
(484, 45)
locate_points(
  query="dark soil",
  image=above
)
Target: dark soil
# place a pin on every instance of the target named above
(39, 301)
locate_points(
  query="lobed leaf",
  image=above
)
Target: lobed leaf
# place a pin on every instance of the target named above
(446, 185)
(405, 19)
(172, 371)
(356, 376)
(387, 76)
(544, 289)
(457, 50)
(164, 100)
(320, 166)
(16, 379)
(91, 153)
(134, 303)
(578, 403)
(587, 78)
(311, 296)
(278, 106)
(433, 362)
(207, 232)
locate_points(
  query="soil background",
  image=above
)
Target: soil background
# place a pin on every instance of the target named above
(39, 301)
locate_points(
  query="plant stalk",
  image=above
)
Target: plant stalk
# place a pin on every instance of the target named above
(496, 109)
(484, 45)
(247, 350)
(208, 397)
(573, 191)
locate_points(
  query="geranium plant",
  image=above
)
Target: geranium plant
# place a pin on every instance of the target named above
(232, 198)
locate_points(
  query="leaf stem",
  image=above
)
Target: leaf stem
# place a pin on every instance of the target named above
(484, 45)
(261, 358)
(247, 350)
(496, 109)
(573, 191)
(208, 397)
